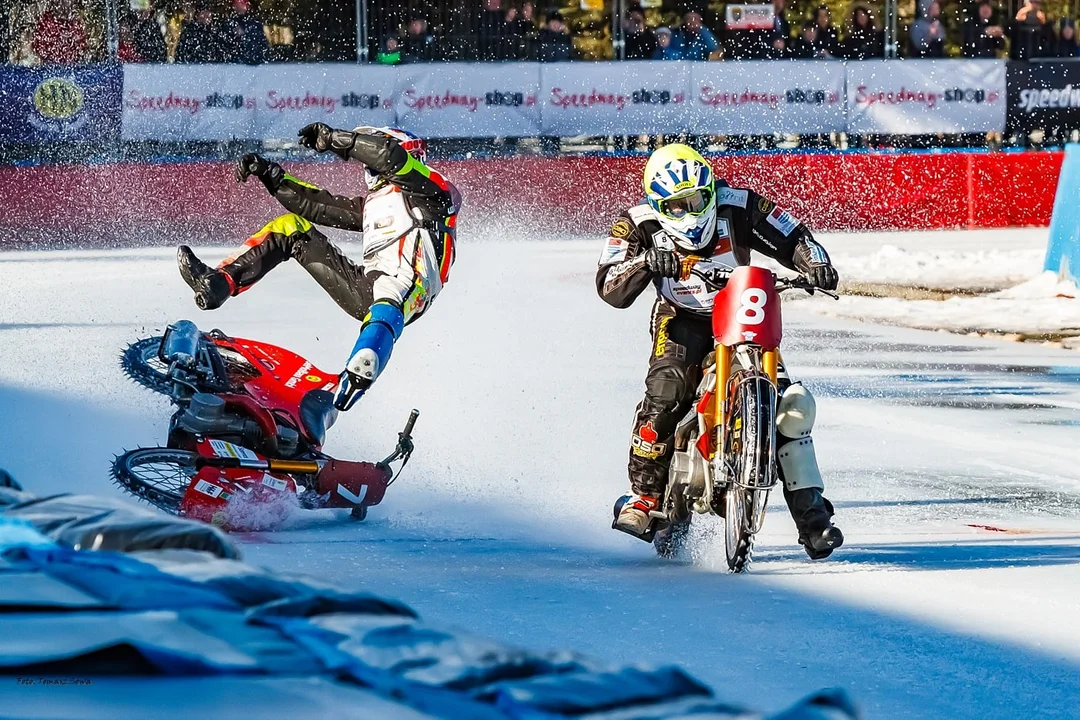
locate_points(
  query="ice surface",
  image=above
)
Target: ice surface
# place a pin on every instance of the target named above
(527, 384)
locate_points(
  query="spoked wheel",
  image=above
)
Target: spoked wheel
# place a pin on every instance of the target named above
(141, 363)
(670, 541)
(751, 434)
(158, 475)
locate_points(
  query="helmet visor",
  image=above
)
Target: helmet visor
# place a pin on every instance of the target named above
(693, 203)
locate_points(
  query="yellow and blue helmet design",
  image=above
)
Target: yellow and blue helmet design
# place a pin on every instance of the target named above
(680, 187)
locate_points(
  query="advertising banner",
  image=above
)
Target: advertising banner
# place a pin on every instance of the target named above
(287, 97)
(59, 104)
(767, 96)
(1043, 95)
(188, 102)
(456, 100)
(605, 98)
(914, 97)
(223, 102)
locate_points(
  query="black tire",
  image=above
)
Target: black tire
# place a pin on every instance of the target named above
(141, 363)
(159, 476)
(751, 437)
(358, 513)
(670, 541)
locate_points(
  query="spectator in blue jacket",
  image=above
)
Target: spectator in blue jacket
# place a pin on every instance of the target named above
(694, 41)
(665, 48)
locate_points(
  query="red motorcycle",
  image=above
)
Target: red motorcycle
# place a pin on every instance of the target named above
(245, 443)
(725, 457)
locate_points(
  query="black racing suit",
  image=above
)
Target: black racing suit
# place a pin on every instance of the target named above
(408, 220)
(681, 326)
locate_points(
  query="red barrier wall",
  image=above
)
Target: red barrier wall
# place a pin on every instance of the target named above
(135, 203)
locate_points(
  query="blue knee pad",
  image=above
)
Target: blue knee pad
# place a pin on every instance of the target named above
(382, 326)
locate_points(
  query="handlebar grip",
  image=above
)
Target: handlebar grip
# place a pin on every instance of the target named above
(407, 432)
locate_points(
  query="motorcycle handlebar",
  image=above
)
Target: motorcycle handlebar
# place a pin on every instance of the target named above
(795, 283)
(407, 432)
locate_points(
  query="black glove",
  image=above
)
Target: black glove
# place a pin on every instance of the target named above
(823, 276)
(270, 173)
(813, 262)
(316, 136)
(664, 263)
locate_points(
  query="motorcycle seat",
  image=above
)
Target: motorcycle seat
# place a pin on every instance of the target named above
(317, 413)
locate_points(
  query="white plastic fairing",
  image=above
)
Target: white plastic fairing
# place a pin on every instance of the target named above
(796, 412)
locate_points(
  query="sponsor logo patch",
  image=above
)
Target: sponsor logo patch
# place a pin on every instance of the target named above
(207, 488)
(731, 196)
(782, 221)
(227, 449)
(620, 229)
(643, 442)
(272, 482)
(765, 206)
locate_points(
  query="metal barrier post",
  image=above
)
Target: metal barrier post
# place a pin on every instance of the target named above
(890, 29)
(361, 31)
(112, 30)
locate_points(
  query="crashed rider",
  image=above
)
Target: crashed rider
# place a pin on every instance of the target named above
(691, 217)
(408, 220)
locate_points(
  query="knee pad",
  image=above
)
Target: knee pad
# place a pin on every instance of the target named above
(796, 412)
(795, 415)
(288, 224)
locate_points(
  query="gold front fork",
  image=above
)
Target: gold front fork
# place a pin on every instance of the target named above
(770, 359)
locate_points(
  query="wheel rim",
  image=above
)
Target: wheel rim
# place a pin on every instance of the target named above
(160, 476)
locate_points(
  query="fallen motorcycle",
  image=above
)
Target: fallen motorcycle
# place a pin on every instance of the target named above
(245, 443)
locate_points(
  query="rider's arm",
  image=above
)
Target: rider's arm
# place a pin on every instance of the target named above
(319, 206)
(384, 156)
(776, 233)
(623, 274)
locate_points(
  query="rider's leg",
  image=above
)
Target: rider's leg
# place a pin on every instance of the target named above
(679, 344)
(798, 468)
(382, 327)
(289, 236)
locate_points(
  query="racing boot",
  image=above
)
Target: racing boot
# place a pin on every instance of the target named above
(212, 287)
(632, 514)
(813, 513)
(381, 328)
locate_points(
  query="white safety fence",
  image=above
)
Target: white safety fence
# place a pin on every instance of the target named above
(459, 100)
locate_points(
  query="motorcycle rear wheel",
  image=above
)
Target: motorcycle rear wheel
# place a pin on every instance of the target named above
(750, 429)
(671, 539)
(141, 363)
(158, 475)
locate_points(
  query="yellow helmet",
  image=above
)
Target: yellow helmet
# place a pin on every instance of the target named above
(680, 187)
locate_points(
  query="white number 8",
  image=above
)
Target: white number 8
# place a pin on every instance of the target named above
(752, 306)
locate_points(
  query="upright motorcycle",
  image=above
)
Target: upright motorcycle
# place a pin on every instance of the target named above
(725, 460)
(245, 443)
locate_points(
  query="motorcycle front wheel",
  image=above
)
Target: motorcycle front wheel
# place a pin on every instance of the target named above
(160, 476)
(751, 436)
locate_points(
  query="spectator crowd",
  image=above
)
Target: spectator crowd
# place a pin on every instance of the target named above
(36, 32)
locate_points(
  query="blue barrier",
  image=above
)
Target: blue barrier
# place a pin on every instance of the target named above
(1063, 249)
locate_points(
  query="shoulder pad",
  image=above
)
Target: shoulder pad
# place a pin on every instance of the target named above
(731, 196)
(640, 213)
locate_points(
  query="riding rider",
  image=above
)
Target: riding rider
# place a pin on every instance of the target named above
(408, 220)
(690, 217)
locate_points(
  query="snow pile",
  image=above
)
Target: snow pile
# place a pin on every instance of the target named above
(976, 282)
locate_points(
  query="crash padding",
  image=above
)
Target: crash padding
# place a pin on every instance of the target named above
(192, 617)
(1063, 248)
(85, 521)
